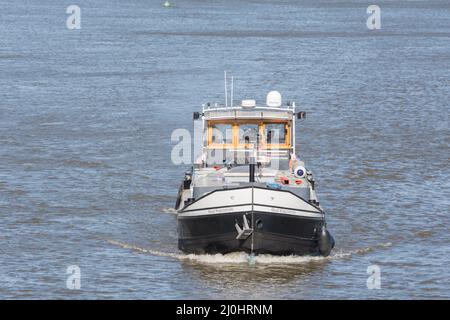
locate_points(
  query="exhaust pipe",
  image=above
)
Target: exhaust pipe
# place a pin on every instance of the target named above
(251, 176)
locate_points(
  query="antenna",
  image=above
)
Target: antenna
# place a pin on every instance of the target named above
(232, 88)
(226, 91)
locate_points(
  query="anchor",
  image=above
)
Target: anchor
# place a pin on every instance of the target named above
(245, 231)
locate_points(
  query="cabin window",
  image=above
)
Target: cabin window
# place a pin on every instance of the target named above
(275, 133)
(248, 133)
(221, 133)
(239, 134)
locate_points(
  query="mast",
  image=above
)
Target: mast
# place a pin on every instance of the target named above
(226, 91)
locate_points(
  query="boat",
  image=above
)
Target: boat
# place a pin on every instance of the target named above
(247, 190)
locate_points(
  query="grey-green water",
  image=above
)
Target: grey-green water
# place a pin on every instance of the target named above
(86, 118)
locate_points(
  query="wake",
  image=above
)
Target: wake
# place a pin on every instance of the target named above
(169, 210)
(245, 258)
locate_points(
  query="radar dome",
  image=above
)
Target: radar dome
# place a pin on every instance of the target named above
(273, 99)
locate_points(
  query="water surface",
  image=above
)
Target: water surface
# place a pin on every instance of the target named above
(86, 118)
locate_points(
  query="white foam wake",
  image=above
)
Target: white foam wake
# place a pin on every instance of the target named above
(244, 258)
(169, 210)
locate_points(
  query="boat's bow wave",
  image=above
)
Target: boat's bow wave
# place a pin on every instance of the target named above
(170, 210)
(243, 258)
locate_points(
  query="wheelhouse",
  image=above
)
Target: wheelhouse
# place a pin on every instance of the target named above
(233, 135)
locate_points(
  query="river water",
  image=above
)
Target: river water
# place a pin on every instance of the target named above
(86, 117)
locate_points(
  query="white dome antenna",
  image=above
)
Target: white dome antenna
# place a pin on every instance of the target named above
(273, 99)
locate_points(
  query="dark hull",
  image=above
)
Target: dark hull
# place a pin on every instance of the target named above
(273, 233)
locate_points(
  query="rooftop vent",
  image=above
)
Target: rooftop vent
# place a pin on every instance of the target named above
(273, 99)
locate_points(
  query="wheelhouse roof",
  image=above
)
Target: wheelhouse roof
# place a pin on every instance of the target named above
(258, 112)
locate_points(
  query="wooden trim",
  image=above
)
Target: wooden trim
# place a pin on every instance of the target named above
(235, 129)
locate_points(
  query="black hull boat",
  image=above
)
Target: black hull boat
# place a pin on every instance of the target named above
(247, 190)
(275, 234)
(258, 228)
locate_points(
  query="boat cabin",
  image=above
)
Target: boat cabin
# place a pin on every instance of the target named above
(233, 135)
(248, 144)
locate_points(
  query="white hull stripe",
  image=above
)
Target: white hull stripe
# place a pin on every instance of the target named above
(292, 212)
(212, 211)
(248, 208)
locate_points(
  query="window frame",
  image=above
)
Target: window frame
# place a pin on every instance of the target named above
(235, 124)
